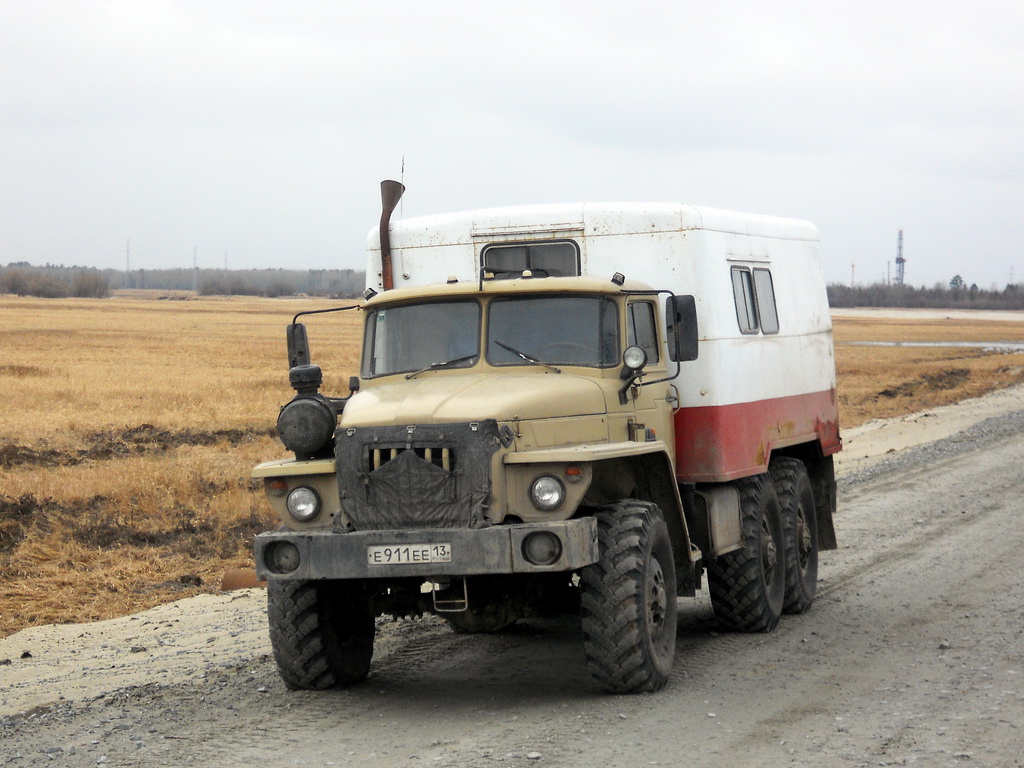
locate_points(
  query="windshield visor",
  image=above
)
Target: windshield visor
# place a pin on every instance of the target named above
(560, 330)
(420, 337)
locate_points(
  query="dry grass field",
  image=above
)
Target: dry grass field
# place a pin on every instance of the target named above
(130, 425)
(881, 382)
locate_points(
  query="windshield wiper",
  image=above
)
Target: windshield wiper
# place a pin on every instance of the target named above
(436, 366)
(526, 357)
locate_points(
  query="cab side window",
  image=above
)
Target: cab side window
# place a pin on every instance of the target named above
(754, 294)
(642, 328)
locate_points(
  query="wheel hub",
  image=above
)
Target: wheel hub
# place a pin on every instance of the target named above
(657, 597)
(769, 549)
(804, 540)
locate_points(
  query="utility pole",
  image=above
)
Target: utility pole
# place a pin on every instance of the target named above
(195, 269)
(852, 268)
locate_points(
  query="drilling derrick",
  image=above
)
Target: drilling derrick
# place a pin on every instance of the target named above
(900, 261)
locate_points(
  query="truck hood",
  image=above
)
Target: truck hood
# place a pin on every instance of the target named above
(433, 399)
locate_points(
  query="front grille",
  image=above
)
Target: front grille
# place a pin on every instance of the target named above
(443, 458)
(422, 476)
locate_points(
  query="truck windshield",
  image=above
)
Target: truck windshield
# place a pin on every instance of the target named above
(419, 337)
(567, 330)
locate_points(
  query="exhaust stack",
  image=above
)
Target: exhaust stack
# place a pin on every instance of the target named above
(390, 194)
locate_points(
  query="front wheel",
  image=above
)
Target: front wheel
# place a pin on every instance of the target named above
(321, 632)
(628, 600)
(748, 585)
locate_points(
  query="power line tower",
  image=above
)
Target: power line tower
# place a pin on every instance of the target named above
(900, 261)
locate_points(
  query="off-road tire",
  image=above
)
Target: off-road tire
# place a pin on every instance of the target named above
(628, 600)
(799, 532)
(748, 585)
(321, 632)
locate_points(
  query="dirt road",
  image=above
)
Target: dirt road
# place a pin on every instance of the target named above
(912, 654)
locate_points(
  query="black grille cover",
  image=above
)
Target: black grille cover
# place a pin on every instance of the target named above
(408, 491)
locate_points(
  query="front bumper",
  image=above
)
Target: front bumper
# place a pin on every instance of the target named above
(495, 550)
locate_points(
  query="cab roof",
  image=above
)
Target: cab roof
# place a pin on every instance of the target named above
(520, 285)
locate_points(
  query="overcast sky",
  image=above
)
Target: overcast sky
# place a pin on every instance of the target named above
(256, 133)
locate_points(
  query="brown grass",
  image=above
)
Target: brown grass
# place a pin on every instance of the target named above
(130, 426)
(128, 433)
(882, 382)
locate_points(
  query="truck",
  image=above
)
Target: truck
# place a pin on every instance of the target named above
(576, 408)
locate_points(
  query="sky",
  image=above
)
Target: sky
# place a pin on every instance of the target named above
(253, 134)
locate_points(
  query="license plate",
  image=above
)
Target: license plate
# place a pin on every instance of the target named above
(408, 554)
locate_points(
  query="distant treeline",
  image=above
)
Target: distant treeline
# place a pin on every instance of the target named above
(53, 282)
(955, 296)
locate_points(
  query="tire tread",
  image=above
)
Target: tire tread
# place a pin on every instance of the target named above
(739, 595)
(618, 655)
(321, 638)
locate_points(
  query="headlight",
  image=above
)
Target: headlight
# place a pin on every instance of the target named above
(547, 493)
(303, 504)
(634, 358)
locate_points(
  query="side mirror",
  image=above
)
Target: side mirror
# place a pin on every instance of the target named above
(681, 323)
(298, 345)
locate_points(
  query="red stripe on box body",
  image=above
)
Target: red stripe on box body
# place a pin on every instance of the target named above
(725, 442)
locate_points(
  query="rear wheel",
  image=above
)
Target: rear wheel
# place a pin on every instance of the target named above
(748, 585)
(321, 632)
(799, 531)
(628, 600)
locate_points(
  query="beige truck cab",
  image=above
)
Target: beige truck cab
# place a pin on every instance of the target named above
(579, 409)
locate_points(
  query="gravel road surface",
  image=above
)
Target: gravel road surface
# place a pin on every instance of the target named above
(912, 654)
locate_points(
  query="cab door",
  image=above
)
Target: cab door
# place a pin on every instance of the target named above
(654, 404)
